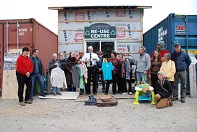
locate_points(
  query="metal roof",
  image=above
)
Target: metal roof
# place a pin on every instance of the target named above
(100, 7)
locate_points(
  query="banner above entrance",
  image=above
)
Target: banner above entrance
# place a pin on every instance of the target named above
(99, 31)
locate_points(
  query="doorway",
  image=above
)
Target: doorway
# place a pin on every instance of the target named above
(105, 46)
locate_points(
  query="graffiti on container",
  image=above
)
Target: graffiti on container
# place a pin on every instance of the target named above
(79, 16)
(161, 33)
(120, 32)
(79, 36)
(65, 36)
(120, 13)
(129, 28)
(131, 14)
(21, 31)
(65, 15)
(128, 47)
(89, 15)
(107, 14)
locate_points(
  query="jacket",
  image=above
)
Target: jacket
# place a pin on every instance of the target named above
(24, 65)
(51, 65)
(163, 93)
(181, 59)
(41, 69)
(143, 63)
(169, 69)
(58, 78)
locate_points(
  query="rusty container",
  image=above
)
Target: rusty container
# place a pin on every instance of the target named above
(19, 33)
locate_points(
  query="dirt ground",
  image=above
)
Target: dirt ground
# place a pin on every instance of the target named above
(70, 116)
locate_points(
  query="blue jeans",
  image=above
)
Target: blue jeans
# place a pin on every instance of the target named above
(141, 76)
(102, 82)
(41, 82)
(56, 90)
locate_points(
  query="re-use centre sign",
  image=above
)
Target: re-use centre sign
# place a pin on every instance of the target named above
(100, 30)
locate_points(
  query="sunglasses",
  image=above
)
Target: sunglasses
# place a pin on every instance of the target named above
(125, 55)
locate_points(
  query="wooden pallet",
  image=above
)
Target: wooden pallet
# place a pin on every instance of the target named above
(106, 102)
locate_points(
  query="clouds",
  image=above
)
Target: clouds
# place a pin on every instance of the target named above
(38, 9)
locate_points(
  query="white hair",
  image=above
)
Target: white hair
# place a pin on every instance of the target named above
(54, 54)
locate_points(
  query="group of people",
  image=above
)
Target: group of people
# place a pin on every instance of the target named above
(77, 71)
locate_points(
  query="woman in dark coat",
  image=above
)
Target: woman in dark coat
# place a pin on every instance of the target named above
(70, 62)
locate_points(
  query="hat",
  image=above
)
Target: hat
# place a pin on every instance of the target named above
(167, 55)
(161, 43)
(161, 72)
(177, 45)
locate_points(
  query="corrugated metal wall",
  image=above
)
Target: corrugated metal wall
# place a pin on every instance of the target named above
(173, 29)
(16, 34)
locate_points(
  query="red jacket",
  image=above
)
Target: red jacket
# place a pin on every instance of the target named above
(24, 65)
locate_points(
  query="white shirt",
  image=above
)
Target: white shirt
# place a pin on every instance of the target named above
(94, 59)
(58, 77)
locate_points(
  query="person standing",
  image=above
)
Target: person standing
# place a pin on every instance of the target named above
(182, 62)
(57, 79)
(100, 72)
(168, 67)
(52, 62)
(90, 59)
(125, 74)
(162, 50)
(116, 72)
(71, 61)
(24, 68)
(38, 73)
(155, 67)
(142, 66)
(62, 62)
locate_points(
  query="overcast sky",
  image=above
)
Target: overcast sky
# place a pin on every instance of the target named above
(38, 9)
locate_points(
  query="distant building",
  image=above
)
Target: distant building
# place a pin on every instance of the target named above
(106, 28)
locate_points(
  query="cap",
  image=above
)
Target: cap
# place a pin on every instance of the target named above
(167, 55)
(161, 43)
(161, 72)
(177, 45)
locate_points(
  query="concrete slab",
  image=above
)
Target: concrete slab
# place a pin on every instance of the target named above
(65, 95)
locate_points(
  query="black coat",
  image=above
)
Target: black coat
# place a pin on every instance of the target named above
(159, 90)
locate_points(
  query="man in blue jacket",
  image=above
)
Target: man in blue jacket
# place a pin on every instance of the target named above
(38, 73)
(182, 61)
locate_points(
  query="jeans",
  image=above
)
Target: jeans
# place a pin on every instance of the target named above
(41, 82)
(71, 88)
(56, 90)
(141, 76)
(182, 76)
(22, 79)
(102, 81)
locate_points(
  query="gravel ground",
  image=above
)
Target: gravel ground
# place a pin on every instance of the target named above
(66, 115)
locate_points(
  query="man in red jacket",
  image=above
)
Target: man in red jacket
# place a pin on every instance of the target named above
(24, 68)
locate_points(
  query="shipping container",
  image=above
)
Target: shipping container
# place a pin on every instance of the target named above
(173, 29)
(18, 33)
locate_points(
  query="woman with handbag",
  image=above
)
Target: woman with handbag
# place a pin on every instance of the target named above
(163, 91)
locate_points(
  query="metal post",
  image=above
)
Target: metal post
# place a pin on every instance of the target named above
(7, 26)
(17, 38)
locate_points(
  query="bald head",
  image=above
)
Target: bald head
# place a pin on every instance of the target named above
(90, 49)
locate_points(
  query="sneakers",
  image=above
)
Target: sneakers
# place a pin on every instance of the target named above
(54, 94)
(182, 100)
(174, 98)
(21, 103)
(28, 102)
(43, 95)
(124, 93)
(130, 93)
(58, 93)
